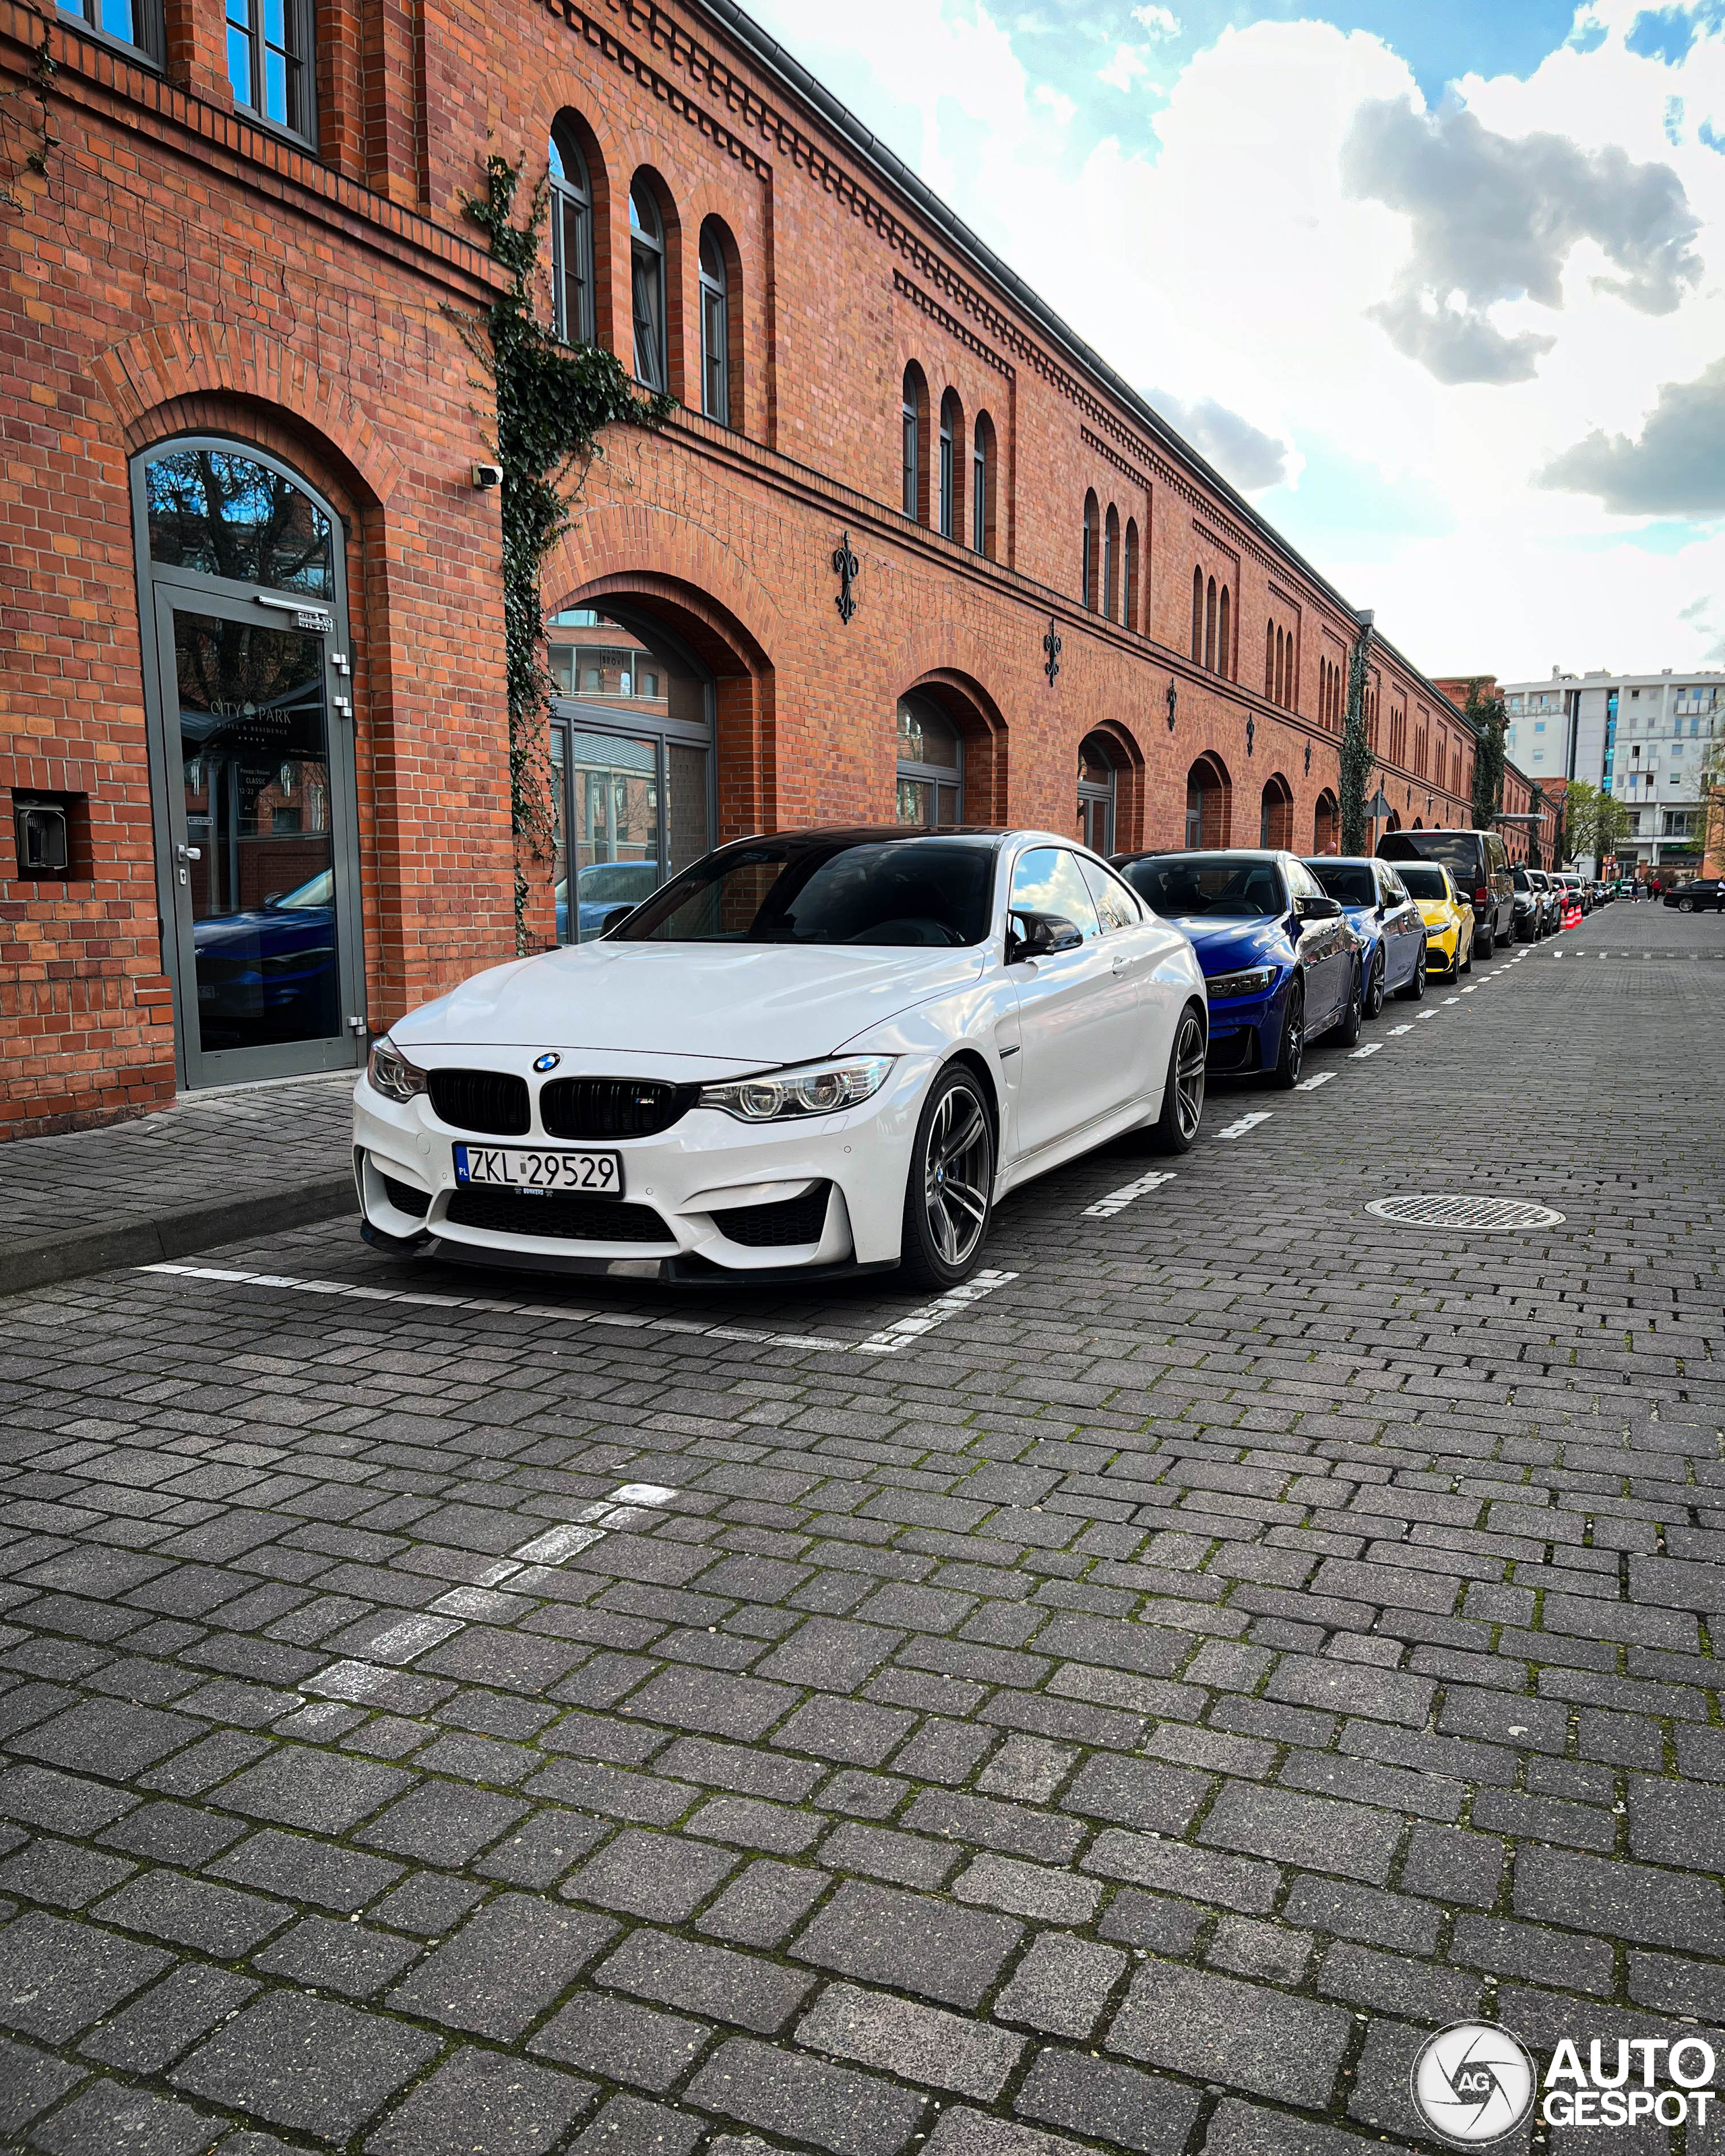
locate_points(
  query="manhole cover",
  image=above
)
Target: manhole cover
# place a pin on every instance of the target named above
(1451, 1211)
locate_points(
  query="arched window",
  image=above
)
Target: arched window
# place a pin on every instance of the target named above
(571, 238)
(715, 325)
(982, 486)
(1270, 662)
(1088, 566)
(1224, 644)
(1131, 609)
(1207, 804)
(916, 418)
(1198, 616)
(1210, 624)
(1275, 814)
(646, 243)
(931, 764)
(951, 434)
(1282, 666)
(1325, 824)
(1110, 563)
(1095, 794)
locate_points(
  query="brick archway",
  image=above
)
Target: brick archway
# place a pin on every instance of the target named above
(1327, 824)
(1275, 814)
(1130, 784)
(983, 727)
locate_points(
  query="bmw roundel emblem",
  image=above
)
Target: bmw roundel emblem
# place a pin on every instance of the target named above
(546, 1062)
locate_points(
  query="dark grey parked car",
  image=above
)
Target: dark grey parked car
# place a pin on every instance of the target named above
(1480, 865)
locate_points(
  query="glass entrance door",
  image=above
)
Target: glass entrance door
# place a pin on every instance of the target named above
(256, 803)
(247, 676)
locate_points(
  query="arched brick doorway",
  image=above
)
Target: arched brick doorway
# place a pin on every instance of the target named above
(659, 743)
(1327, 824)
(1210, 803)
(964, 709)
(1110, 790)
(1275, 814)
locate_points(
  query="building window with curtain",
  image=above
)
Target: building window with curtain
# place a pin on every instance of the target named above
(646, 237)
(268, 55)
(570, 209)
(915, 397)
(714, 329)
(931, 765)
(951, 423)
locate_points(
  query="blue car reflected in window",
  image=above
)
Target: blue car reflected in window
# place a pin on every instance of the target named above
(600, 888)
(268, 973)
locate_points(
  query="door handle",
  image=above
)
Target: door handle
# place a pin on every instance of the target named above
(1120, 962)
(188, 853)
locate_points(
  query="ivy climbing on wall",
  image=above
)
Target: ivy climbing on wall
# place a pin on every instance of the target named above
(552, 402)
(1490, 722)
(1356, 757)
(27, 132)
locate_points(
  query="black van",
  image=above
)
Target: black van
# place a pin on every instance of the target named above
(1477, 861)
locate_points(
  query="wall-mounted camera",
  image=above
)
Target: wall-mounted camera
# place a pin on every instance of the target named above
(488, 475)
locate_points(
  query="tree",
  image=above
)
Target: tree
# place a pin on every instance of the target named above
(1486, 716)
(1596, 821)
(1710, 810)
(1357, 759)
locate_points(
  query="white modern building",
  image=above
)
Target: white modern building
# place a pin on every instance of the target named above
(1642, 736)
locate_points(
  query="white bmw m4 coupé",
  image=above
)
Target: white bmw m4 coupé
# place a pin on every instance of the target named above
(826, 1051)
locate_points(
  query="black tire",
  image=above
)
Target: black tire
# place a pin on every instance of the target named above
(1348, 1027)
(1485, 944)
(1290, 1056)
(1175, 1130)
(1465, 965)
(1686, 905)
(1453, 973)
(1413, 989)
(942, 1237)
(1374, 987)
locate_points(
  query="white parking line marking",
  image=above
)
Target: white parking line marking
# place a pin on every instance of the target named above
(887, 1342)
(1359, 1054)
(1312, 1085)
(1395, 1029)
(1238, 1130)
(1448, 1000)
(363, 1676)
(1116, 1201)
(893, 1337)
(1469, 991)
(1430, 1013)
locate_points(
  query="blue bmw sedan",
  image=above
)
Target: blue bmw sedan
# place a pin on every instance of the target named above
(1388, 924)
(1281, 962)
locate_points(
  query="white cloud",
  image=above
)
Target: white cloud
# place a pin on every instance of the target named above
(1128, 64)
(1221, 260)
(1157, 22)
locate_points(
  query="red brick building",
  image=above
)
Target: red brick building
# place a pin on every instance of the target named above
(908, 547)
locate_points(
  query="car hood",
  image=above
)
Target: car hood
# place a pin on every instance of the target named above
(754, 1006)
(1224, 945)
(1437, 912)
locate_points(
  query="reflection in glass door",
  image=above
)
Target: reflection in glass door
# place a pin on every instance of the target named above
(255, 888)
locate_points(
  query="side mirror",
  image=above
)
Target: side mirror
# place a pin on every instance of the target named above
(1318, 909)
(1040, 936)
(615, 918)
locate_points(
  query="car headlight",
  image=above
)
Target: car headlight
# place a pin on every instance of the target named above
(816, 1089)
(391, 1073)
(1249, 982)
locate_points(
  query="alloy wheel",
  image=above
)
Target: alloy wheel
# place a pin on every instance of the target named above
(1374, 996)
(1189, 1076)
(956, 1169)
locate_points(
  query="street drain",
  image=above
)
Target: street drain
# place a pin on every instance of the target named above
(1453, 1211)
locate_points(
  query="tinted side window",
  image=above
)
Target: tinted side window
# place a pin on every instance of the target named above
(1117, 907)
(1496, 853)
(1047, 880)
(1394, 890)
(1302, 881)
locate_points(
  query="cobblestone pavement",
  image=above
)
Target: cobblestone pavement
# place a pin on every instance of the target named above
(1130, 1713)
(181, 1180)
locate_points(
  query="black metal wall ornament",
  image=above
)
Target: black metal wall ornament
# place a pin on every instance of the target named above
(1173, 699)
(847, 569)
(1308, 759)
(1251, 732)
(1051, 646)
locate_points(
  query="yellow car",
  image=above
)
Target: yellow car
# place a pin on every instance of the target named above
(1447, 914)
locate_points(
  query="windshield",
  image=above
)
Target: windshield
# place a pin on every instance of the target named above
(1458, 850)
(1183, 886)
(797, 889)
(1353, 886)
(317, 890)
(1522, 882)
(1423, 882)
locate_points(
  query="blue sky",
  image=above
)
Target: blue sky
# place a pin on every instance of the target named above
(1437, 282)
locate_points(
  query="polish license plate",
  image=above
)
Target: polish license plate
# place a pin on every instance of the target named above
(528, 1170)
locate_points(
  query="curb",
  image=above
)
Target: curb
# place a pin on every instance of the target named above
(175, 1234)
